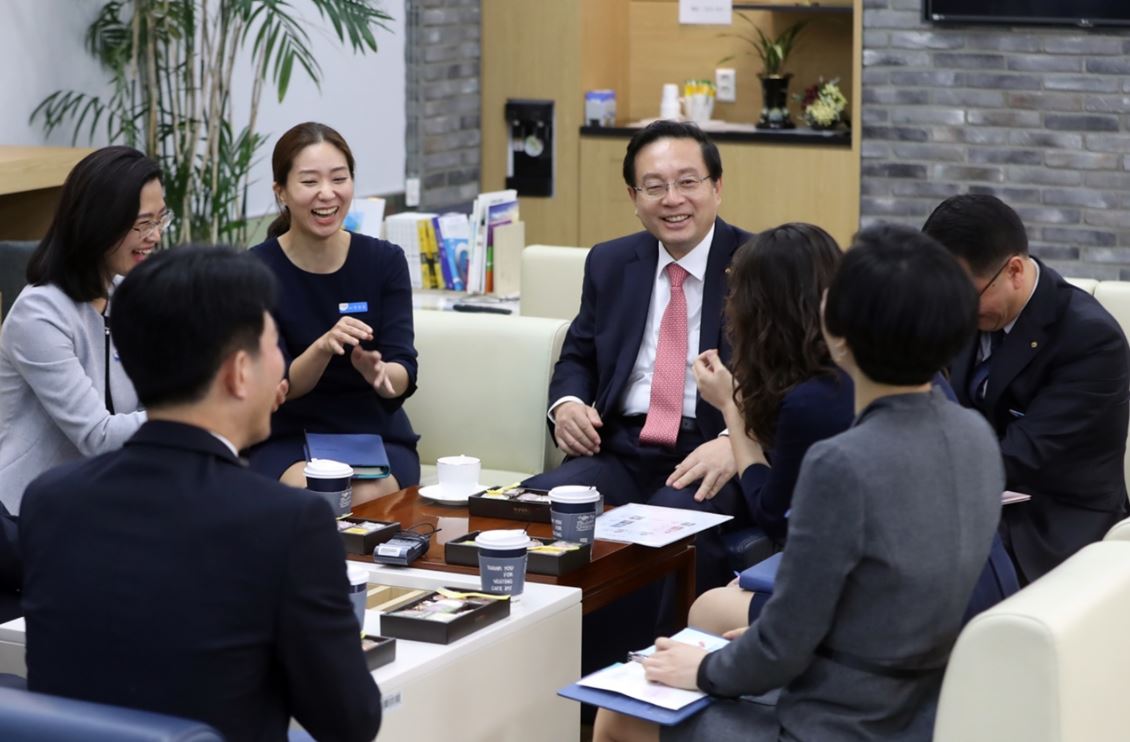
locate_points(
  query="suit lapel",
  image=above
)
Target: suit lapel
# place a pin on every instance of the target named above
(961, 367)
(714, 288)
(635, 298)
(1027, 338)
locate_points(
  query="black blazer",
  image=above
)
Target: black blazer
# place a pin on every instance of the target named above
(167, 577)
(1057, 397)
(604, 340)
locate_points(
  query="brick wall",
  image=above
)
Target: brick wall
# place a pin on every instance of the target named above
(443, 132)
(1037, 116)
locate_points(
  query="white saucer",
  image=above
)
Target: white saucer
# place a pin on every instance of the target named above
(434, 493)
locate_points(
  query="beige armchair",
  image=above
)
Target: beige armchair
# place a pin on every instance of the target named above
(483, 386)
(551, 281)
(1049, 664)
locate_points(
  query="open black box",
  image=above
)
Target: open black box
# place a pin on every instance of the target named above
(463, 551)
(412, 628)
(511, 506)
(382, 653)
(364, 543)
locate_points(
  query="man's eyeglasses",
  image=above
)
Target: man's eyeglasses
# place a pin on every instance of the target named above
(160, 224)
(687, 186)
(995, 276)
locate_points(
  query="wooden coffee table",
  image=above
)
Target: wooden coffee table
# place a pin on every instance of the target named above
(616, 569)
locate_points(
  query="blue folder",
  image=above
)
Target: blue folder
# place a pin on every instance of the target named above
(365, 452)
(633, 706)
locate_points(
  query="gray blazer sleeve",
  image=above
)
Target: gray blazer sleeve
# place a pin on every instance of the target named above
(41, 344)
(826, 533)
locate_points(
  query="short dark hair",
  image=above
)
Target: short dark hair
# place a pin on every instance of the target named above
(296, 139)
(980, 229)
(180, 313)
(666, 129)
(902, 303)
(773, 319)
(97, 208)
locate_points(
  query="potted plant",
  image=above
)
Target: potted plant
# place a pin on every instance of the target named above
(774, 53)
(171, 65)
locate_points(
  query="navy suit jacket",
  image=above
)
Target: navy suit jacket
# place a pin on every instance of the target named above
(1057, 397)
(165, 576)
(604, 340)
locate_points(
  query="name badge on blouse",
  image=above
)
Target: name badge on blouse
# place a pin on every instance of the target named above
(352, 307)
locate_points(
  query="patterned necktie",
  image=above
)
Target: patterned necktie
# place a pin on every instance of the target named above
(665, 411)
(977, 382)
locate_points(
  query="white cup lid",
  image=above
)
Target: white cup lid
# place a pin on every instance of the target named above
(503, 539)
(357, 575)
(574, 493)
(327, 469)
(460, 460)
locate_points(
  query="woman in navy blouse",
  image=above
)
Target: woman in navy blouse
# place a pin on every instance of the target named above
(344, 315)
(784, 393)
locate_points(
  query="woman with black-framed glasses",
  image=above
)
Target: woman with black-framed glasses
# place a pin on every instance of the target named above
(63, 392)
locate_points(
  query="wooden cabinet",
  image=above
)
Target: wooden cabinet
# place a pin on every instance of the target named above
(558, 49)
(31, 179)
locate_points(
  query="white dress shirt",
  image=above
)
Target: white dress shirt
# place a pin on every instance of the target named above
(637, 394)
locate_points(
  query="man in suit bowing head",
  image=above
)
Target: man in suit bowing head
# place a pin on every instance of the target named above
(167, 576)
(1050, 370)
(623, 404)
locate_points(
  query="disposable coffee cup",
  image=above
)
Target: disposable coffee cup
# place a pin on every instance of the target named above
(502, 561)
(358, 589)
(331, 480)
(458, 475)
(572, 512)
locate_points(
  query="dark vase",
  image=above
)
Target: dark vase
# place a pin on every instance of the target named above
(775, 102)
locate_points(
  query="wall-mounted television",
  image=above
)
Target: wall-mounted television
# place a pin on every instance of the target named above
(1081, 13)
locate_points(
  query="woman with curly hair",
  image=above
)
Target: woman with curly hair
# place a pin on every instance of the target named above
(784, 392)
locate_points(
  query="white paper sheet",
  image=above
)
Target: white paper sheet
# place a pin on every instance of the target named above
(628, 679)
(712, 12)
(651, 525)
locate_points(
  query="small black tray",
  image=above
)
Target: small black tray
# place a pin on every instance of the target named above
(438, 632)
(364, 543)
(383, 653)
(510, 507)
(463, 551)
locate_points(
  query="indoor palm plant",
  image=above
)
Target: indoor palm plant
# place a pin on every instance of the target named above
(774, 53)
(171, 64)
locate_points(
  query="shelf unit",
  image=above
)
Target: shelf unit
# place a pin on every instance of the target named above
(796, 8)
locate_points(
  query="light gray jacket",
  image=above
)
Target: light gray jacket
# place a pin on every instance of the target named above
(891, 525)
(52, 389)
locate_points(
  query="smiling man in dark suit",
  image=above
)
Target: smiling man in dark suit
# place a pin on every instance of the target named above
(1050, 370)
(623, 402)
(167, 576)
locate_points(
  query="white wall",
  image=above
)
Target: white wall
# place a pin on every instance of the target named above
(363, 97)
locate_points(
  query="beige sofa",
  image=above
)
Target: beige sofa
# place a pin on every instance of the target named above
(551, 281)
(483, 385)
(1049, 664)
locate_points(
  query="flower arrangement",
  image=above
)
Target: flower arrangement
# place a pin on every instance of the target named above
(823, 104)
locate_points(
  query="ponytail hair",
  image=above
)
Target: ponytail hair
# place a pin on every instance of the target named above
(289, 146)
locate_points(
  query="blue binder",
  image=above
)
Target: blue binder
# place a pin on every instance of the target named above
(633, 706)
(365, 452)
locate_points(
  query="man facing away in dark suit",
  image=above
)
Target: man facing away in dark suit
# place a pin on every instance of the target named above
(623, 402)
(168, 577)
(1050, 370)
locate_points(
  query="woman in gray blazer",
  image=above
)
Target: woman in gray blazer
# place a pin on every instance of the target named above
(890, 527)
(63, 393)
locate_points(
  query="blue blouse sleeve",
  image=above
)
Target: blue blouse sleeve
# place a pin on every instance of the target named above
(810, 412)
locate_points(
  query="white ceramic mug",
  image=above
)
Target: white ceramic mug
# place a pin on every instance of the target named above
(458, 475)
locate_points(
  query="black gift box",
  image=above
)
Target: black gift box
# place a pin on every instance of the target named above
(442, 632)
(382, 653)
(364, 543)
(463, 551)
(510, 507)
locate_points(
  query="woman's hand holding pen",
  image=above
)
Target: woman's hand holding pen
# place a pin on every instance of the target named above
(674, 663)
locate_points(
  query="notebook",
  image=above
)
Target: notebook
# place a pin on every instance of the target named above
(365, 452)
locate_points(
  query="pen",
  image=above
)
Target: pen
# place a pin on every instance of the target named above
(637, 657)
